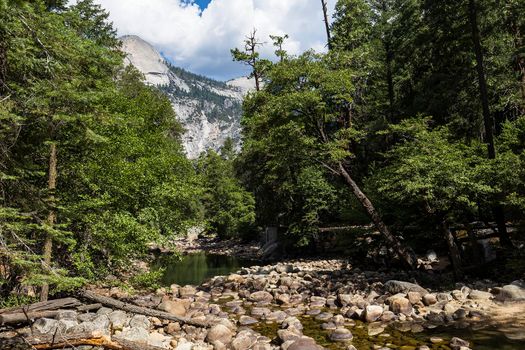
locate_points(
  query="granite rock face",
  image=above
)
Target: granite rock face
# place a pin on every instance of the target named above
(209, 110)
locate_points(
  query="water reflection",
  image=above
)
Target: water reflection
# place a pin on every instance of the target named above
(196, 268)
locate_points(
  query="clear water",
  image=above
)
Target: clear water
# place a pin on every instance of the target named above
(196, 268)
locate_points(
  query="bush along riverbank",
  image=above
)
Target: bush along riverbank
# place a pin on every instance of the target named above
(289, 306)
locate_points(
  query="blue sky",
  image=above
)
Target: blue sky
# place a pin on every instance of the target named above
(203, 3)
(198, 34)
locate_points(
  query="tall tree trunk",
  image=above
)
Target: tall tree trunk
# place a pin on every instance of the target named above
(51, 218)
(453, 249)
(326, 25)
(403, 253)
(389, 81)
(488, 121)
(3, 62)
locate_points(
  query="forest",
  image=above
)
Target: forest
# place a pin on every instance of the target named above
(413, 121)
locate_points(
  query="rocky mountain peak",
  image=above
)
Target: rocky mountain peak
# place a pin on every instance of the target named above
(210, 110)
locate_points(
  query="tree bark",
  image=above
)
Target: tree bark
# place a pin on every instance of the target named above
(51, 218)
(44, 306)
(327, 25)
(453, 249)
(139, 310)
(405, 254)
(488, 121)
(61, 341)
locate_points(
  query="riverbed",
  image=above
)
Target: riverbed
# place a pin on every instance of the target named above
(233, 282)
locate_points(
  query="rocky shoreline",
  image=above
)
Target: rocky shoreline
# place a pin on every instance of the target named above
(301, 305)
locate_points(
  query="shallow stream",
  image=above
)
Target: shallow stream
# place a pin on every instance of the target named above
(196, 268)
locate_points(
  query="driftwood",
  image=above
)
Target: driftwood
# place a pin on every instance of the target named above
(28, 316)
(43, 306)
(110, 302)
(60, 341)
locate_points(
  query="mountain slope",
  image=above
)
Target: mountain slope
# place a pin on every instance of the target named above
(209, 110)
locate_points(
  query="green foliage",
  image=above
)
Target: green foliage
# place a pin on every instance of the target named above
(229, 208)
(150, 280)
(430, 170)
(123, 179)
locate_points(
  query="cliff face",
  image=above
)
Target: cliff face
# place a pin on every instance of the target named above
(209, 110)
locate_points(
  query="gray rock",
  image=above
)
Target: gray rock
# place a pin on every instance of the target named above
(45, 326)
(341, 335)
(140, 321)
(372, 313)
(460, 314)
(137, 334)
(375, 328)
(66, 315)
(289, 334)
(66, 325)
(394, 287)
(304, 344)
(87, 317)
(118, 319)
(457, 343)
(104, 311)
(244, 340)
(324, 316)
(159, 340)
(387, 316)
(220, 333)
(511, 292)
(479, 295)
(247, 320)
(261, 296)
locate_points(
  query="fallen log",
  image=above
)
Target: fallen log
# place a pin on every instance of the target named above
(89, 307)
(60, 341)
(26, 317)
(110, 302)
(22, 317)
(43, 306)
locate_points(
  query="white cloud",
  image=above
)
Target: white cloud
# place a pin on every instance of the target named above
(200, 41)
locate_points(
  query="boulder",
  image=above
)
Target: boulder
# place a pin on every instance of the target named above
(261, 296)
(118, 319)
(140, 321)
(244, 340)
(414, 297)
(187, 291)
(511, 292)
(175, 307)
(220, 333)
(288, 334)
(429, 299)
(304, 344)
(45, 326)
(457, 343)
(136, 334)
(341, 335)
(247, 320)
(66, 315)
(158, 340)
(372, 313)
(401, 306)
(479, 295)
(394, 287)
